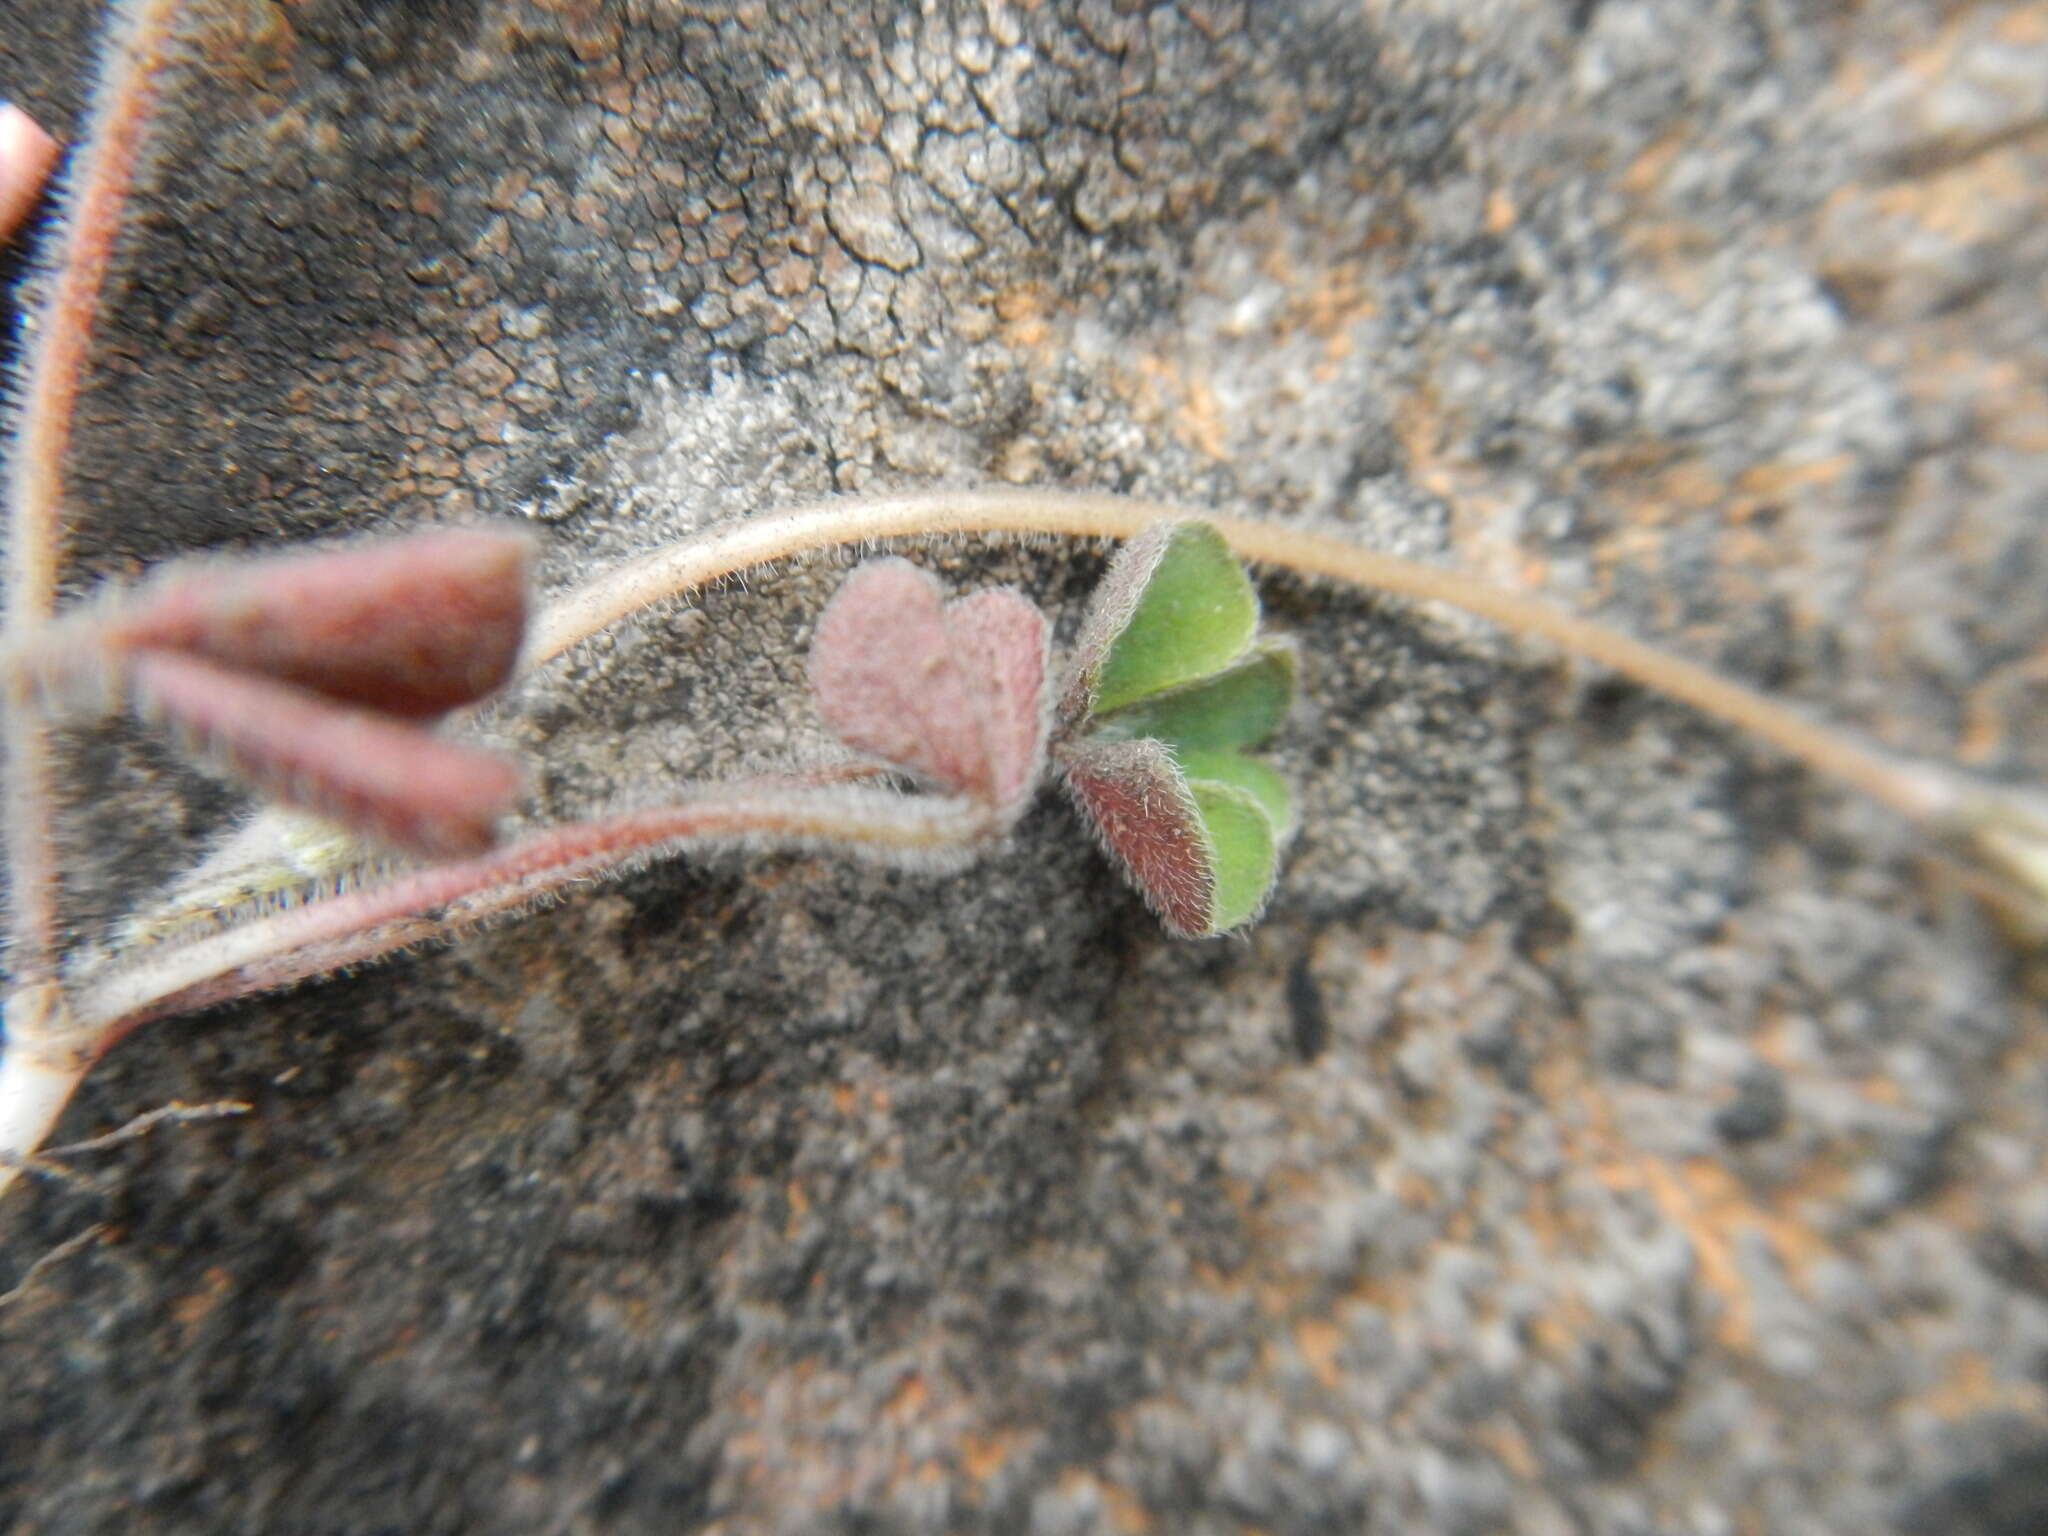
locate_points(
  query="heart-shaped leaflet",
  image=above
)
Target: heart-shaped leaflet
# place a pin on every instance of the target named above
(954, 694)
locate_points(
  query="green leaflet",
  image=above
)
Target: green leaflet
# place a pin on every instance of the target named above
(1171, 685)
(1194, 613)
(1239, 707)
(1243, 852)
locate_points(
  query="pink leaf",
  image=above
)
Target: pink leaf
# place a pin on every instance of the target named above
(412, 627)
(889, 681)
(1006, 635)
(953, 695)
(1141, 809)
(397, 783)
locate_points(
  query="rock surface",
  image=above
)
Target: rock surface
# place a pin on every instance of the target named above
(1610, 1129)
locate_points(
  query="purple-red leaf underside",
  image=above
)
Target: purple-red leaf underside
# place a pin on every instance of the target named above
(1141, 809)
(412, 627)
(393, 782)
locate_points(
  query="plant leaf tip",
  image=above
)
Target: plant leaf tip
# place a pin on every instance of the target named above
(1171, 684)
(385, 778)
(412, 627)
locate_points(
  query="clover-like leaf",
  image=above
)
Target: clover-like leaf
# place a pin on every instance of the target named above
(1173, 607)
(1169, 687)
(955, 695)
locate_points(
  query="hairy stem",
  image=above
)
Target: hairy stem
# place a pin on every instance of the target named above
(435, 903)
(723, 551)
(50, 384)
(99, 187)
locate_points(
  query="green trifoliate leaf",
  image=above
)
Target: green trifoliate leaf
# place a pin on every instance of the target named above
(1239, 707)
(1168, 690)
(1175, 606)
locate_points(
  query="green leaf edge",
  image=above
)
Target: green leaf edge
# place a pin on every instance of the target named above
(1241, 706)
(1242, 849)
(1256, 778)
(1196, 615)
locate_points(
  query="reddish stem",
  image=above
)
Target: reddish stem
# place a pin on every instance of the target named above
(430, 904)
(49, 395)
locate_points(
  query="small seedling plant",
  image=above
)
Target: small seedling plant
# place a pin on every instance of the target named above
(333, 684)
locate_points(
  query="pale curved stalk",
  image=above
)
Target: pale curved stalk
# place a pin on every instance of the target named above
(723, 551)
(77, 1242)
(42, 1063)
(50, 383)
(439, 901)
(2007, 829)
